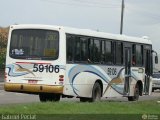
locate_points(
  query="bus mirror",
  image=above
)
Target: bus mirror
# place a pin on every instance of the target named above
(156, 59)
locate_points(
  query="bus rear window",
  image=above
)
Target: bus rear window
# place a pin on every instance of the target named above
(34, 44)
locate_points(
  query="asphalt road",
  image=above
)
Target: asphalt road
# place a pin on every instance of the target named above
(1, 79)
(1, 76)
(12, 98)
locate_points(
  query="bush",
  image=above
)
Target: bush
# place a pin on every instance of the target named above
(3, 46)
(2, 58)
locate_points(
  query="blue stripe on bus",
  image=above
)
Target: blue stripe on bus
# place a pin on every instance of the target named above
(72, 75)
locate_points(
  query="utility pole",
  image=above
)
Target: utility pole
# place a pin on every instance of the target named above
(122, 12)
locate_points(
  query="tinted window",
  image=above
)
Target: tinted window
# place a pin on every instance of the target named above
(139, 55)
(103, 54)
(84, 48)
(108, 52)
(119, 53)
(34, 44)
(97, 51)
(106, 55)
(77, 49)
(133, 54)
(91, 49)
(70, 44)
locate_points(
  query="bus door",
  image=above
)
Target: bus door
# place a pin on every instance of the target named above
(148, 70)
(127, 58)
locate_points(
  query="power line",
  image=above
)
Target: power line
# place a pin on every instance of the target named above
(84, 4)
(97, 3)
(146, 13)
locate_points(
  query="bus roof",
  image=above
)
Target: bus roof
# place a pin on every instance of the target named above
(85, 32)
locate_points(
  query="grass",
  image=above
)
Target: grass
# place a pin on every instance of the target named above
(94, 110)
(140, 107)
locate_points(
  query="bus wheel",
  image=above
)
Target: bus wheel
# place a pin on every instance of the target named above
(44, 97)
(56, 97)
(83, 99)
(96, 93)
(136, 94)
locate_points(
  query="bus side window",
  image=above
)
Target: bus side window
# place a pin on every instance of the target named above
(103, 53)
(119, 53)
(70, 44)
(84, 55)
(133, 60)
(108, 52)
(77, 55)
(139, 55)
(133, 54)
(97, 50)
(90, 50)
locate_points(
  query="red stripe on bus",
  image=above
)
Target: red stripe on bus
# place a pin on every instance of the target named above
(30, 63)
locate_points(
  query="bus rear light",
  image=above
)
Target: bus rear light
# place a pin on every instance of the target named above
(32, 81)
(5, 76)
(61, 77)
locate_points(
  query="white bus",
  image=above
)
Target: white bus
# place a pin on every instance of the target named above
(56, 61)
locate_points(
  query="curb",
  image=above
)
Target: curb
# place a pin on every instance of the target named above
(1, 85)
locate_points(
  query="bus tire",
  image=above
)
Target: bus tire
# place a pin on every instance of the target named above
(96, 93)
(83, 99)
(136, 94)
(57, 97)
(44, 97)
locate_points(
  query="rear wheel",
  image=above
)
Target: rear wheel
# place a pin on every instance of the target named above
(136, 94)
(96, 92)
(44, 97)
(83, 99)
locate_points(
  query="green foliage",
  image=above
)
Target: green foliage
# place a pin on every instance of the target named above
(2, 57)
(103, 110)
(104, 107)
(3, 46)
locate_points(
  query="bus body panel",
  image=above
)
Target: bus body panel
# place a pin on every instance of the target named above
(35, 72)
(71, 79)
(81, 78)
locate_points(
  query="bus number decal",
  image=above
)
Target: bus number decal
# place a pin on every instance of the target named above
(46, 68)
(112, 71)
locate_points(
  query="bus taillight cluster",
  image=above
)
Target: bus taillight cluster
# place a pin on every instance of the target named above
(61, 77)
(5, 76)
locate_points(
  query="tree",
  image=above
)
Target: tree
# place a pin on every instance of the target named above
(3, 45)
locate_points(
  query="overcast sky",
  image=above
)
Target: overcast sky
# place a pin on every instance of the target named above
(141, 17)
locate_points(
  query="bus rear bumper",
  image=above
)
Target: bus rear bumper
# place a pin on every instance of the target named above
(32, 88)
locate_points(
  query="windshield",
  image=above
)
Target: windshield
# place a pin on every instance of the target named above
(34, 44)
